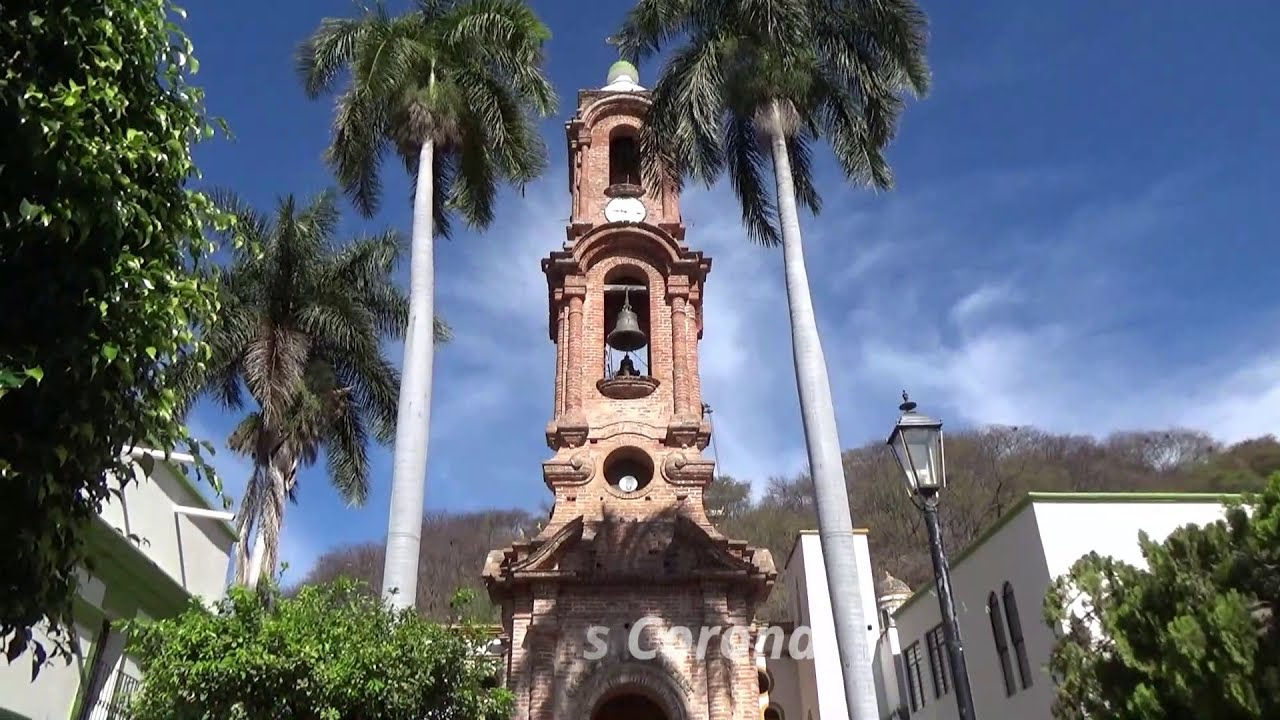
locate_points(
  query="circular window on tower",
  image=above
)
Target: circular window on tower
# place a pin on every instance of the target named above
(628, 470)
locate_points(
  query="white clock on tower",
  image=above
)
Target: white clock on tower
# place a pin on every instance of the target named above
(625, 209)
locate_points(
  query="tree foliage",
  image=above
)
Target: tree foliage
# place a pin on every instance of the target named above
(100, 234)
(804, 71)
(465, 75)
(451, 88)
(1194, 634)
(301, 328)
(333, 652)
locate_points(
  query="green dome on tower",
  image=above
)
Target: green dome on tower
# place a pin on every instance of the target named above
(623, 69)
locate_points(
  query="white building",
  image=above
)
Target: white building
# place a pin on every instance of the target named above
(810, 687)
(185, 555)
(999, 584)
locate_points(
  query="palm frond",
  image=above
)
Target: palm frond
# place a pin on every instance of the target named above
(324, 55)
(840, 68)
(247, 223)
(505, 39)
(649, 24)
(801, 156)
(374, 385)
(885, 39)
(685, 115)
(474, 188)
(355, 152)
(463, 74)
(347, 441)
(247, 437)
(443, 332)
(855, 147)
(747, 166)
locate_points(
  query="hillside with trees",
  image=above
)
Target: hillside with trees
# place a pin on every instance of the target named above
(988, 471)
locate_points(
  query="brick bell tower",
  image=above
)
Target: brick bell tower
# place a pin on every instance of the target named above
(628, 551)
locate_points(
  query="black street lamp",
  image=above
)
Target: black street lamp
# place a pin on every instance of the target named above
(917, 444)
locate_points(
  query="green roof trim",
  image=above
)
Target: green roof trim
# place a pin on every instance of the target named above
(1131, 497)
(1064, 498)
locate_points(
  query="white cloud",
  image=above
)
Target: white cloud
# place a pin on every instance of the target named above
(982, 300)
(1059, 331)
(745, 354)
(1239, 405)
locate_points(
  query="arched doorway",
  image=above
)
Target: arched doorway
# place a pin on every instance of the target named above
(629, 706)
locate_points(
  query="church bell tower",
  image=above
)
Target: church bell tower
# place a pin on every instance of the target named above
(628, 559)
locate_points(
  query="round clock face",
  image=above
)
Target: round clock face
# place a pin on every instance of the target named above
(628, 483)
(624, 210)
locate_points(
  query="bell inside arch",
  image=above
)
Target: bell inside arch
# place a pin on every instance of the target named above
(626, 335)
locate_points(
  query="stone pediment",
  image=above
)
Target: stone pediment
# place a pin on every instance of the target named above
(546, 557)
(664, 549)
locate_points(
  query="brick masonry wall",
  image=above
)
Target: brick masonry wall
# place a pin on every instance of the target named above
(547, 622)
(561, 682)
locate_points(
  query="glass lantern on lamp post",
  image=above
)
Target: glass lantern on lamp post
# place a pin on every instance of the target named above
(916, 441)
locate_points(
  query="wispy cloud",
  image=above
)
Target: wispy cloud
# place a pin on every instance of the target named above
(1058, 330)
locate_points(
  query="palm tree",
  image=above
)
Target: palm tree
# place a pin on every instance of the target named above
(451, 88)
(754, 81)
(300, 328)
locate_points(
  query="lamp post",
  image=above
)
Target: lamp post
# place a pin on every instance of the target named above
(917, 444)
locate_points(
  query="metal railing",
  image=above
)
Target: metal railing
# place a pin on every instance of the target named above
(113, 703)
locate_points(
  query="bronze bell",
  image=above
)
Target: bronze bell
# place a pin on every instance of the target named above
(626, 368)
(626, 335)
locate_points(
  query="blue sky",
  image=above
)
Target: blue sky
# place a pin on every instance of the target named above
(1083, 238)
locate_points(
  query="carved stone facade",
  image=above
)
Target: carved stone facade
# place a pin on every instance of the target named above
(615, 551)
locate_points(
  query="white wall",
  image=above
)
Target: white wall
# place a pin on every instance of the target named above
(887, 667)
(1013, 554)
(819, 684)
(53, 694)
(194, 551)
(786, 693)
(1071, 529)
(1039, 543)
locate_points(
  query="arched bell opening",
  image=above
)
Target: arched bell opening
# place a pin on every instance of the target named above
(629, 705)
(624, 157)
(627, 326)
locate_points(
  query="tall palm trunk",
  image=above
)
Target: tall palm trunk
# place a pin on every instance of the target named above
(246, 523)
(408, 480)
(249, 522)
(822, 441)
(282, 472)
(254, 569)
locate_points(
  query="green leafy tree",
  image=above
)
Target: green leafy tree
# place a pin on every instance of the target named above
(301, 326)
(333, 652)
(755, 83)
(1193, 635)
(727, 498)
(1242, 467)
(99, 233)
(451, 88)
